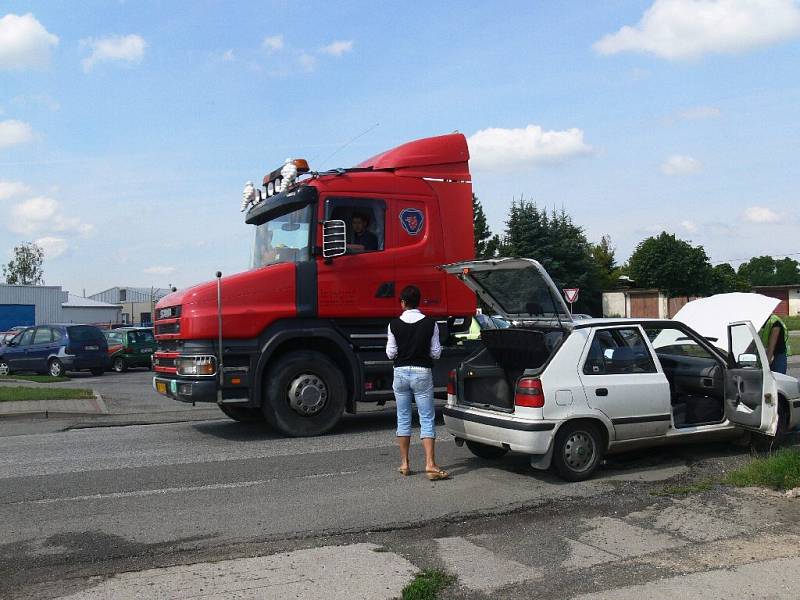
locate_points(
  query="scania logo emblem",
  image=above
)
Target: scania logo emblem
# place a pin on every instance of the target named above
(412, 220)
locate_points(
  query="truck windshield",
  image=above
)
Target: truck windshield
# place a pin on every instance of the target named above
(284, 239)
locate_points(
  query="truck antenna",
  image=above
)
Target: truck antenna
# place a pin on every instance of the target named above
(347, 143)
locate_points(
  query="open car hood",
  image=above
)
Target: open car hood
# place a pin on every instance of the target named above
(516, 288)
(710, 316)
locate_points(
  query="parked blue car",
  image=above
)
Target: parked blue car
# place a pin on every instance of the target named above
(56, 349)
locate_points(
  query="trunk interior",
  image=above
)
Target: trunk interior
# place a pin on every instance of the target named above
(489, 377)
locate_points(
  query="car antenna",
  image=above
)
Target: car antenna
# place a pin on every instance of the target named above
(347, 143)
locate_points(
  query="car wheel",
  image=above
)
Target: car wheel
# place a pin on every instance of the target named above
(97, 372)
(120, 366)
(304, 394)
(243, 414)
(55, 368)
(578, 450)
(486, 451)
(5, 370)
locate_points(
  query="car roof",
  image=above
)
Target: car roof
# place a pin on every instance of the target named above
(603, 321)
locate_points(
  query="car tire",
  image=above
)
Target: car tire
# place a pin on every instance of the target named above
(304, 394)
(243, 414)
(486, 451)
(119, 365)
(55, 368)
(578, 450)
(97, 372)
(5, 369)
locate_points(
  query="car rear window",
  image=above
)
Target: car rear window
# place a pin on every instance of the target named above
(142, 337)
(84, 333)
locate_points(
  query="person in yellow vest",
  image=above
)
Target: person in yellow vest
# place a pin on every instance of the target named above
(775, 337)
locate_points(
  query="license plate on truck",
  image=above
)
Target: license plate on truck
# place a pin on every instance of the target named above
(161, 387)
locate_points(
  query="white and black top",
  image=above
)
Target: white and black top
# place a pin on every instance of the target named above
(413, 340)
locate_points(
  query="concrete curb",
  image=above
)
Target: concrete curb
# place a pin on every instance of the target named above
(92, 406)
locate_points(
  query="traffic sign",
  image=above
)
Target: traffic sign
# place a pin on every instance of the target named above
(571, 294)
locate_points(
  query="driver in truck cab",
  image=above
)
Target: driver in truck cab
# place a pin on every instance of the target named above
(361, 239)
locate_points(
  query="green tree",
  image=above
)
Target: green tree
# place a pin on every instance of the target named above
(787, 272)
(671, 265)
(26, 266)
(724, 279)
(484, 246)
(560, 245)
(759, 270)
(603, 255)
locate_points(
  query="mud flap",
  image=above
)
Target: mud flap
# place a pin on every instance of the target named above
(542, 462)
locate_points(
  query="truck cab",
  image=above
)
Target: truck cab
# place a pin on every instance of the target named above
(299, 338)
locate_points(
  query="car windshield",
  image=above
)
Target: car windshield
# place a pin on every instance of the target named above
(283, 239)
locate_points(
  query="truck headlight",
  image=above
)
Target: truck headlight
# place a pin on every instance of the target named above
(202, 365)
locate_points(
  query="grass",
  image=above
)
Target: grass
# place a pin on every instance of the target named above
(779, 471)
(10, 394)
(34, 378)
(427, 585)
(689, 488)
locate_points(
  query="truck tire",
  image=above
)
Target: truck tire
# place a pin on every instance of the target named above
(578, 450)
(243, 414)
(304, 394)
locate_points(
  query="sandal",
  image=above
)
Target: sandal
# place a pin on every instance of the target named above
(437, 475)
(404, 471)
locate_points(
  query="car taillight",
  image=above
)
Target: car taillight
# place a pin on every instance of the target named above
(529, 393)
(451, 383)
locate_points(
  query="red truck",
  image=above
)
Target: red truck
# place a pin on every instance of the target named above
(299, 339)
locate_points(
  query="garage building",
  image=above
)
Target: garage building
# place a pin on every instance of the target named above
(30, 304)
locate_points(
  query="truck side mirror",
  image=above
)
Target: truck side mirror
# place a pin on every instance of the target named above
(334, 238)
(747, 360)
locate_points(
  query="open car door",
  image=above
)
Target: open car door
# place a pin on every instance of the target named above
(751, 393)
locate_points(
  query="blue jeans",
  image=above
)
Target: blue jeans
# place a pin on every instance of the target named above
(779, 363)
(416, 383)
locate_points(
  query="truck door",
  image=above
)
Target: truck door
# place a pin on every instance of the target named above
(361, 283)
(751, 393)
(621, 379)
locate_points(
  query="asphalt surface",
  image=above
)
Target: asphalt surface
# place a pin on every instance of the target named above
(91, 501)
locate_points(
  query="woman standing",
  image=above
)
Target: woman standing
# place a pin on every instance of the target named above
(413, 344)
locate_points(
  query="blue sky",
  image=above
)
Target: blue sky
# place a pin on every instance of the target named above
(127, 129)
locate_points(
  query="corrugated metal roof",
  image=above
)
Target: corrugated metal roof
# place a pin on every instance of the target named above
(76, 301)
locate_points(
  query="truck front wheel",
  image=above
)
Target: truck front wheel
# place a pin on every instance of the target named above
(304, 394)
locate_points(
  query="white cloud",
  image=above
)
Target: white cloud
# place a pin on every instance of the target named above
(689, 226)
(761, 214)
(24, 42)
(14, 132)
(159, 270)
(273, 43)
(681, 165)
(698, 113)
(684, 29)
(509, 148)
(338, 47)
(11, 189)
(42, 214)
(228, 55)
(53, 246)
(307, 62)
(122, 48)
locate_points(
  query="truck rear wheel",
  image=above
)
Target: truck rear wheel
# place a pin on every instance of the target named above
(243, 414)
(304, 394)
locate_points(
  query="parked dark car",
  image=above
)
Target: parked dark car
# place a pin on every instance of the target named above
(56, 349)
(130, 347)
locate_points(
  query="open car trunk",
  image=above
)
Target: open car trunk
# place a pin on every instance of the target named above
(521, 291)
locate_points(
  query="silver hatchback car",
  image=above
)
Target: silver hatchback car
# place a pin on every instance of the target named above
(568, 392)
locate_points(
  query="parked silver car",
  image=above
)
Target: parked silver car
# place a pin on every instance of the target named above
(567, 392)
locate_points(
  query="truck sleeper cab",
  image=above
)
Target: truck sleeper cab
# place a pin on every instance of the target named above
(567, 392)
(303, 332)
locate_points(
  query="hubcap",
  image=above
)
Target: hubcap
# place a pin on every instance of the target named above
(579, 451)
(307, 394)
(3, 368)
(55, 369)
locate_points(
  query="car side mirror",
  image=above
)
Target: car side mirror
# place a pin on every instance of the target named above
(334, 238)
(747, 360)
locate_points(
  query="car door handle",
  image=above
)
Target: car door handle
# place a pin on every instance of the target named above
(601, 392)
